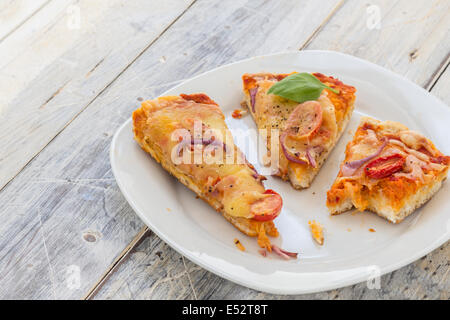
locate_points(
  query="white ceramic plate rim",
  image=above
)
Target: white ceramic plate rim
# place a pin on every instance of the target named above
(261, 285)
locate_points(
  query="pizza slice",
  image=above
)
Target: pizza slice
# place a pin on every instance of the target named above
(388, 169)
(188, 136)
(307, 124)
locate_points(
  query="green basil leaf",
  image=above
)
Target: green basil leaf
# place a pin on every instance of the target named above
(300, 87)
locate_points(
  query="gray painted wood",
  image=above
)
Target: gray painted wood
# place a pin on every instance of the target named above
(413, 38)
(13, 13)
(64, 213)
(426, 278)
(59, 61)
(155, 271)
(440, 89)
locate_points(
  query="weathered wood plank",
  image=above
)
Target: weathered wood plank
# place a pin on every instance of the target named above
(160, 274)
(440, 89)
(411, 38)
(13, 13)
(16, 43)
(61, 59)
(67, 194)
(426, 278)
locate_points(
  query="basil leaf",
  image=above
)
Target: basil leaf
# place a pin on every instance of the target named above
(300, 87)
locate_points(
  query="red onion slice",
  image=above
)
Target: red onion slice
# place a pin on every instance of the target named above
(253, 92)
(259, 177)
(286, 153)
(209, 142)
(311, 159)
(283, 253)
(349, 168)
(180, 146)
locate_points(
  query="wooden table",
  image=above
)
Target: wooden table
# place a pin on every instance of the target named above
(72, 71)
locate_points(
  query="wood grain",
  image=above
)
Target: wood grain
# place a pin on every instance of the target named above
(413, 38)
(14, 13)
(440, 89)
(63, 58)
(426, 278)
(64, 212)
(156, 271)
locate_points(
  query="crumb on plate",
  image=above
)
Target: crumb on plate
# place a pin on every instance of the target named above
(316, 231)
(238, 113)
(239, 244)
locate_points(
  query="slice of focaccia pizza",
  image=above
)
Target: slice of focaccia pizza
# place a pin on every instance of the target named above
(307, 131)
(388, 169)
(188, 136)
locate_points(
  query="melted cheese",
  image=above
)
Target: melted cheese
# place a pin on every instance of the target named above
(233, 184)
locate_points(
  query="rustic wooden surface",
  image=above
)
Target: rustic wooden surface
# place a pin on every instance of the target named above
(65, 87)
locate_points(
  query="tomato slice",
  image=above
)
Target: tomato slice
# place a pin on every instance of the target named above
(305, 120)
(383, 167)
(268, 208)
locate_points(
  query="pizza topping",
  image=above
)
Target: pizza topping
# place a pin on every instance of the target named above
(311, 158)
(383, 167)
(413, 168)
(305, 120)
(253, 92)
(190, 143)
(443, 160)
(198, 98)
(415, 141)
(349, 168)
(259, 177)
(423, 156)
(291, 157)
(283, 253)
(417, 154)
(267, 208)
(300, 87)
(211, 183)
(181, 146)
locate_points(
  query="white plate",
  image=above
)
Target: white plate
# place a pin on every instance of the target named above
(351, 253)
